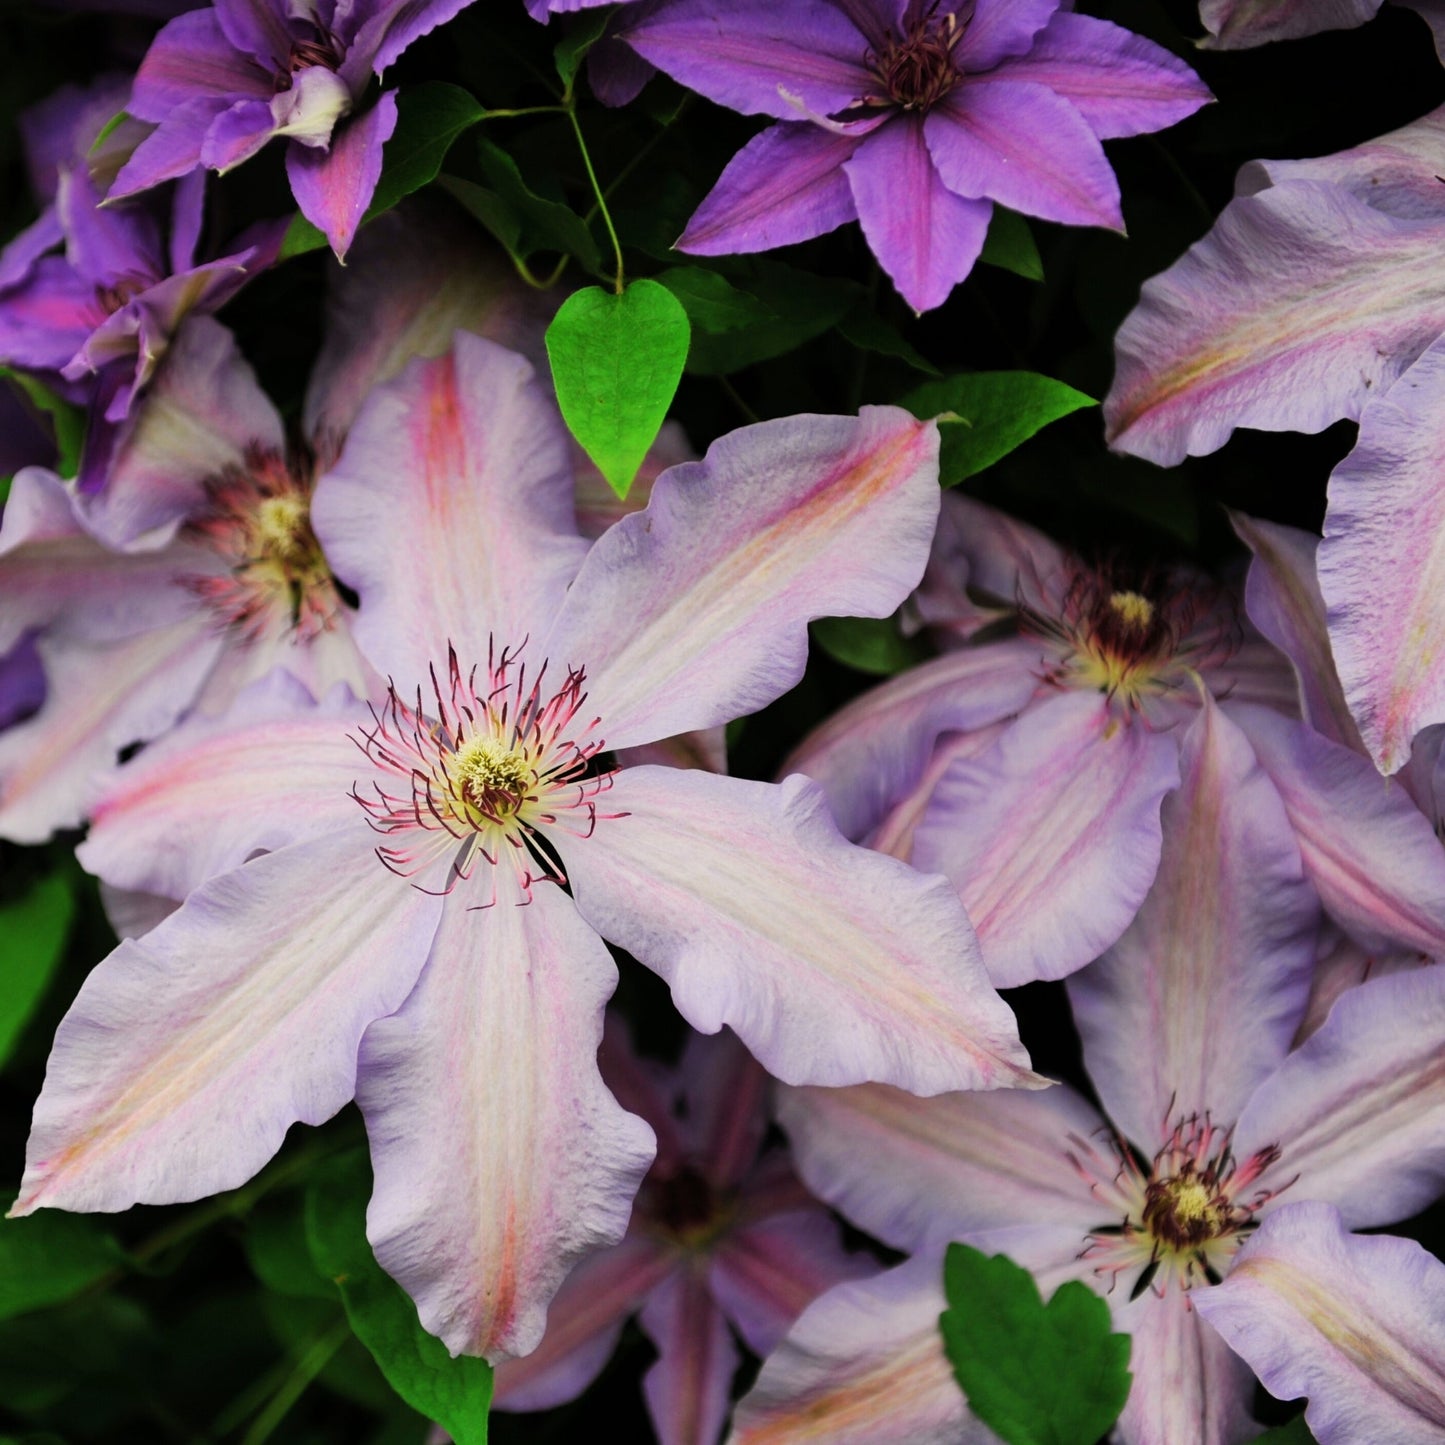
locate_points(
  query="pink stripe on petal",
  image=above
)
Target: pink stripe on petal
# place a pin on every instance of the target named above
(334, 185)
(687, 1389)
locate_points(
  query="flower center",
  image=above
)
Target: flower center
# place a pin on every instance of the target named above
(319, 47)
(686, 1208)
(1182, 1221)
(120, 292)
(914, 68)
(483, 774)
(258, 519)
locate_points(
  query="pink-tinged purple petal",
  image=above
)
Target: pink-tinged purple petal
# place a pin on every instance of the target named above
(277, 770)
(188, 216)
(61, 128)
(1189, 1387)
(334, 186)
(764, 1275)
(745, 54)
(188, 1054)
(191, 59)
(1382, 563)
(999, 30)
(480, 543)
(237, 134)
(133, 914)
(920, 1172)
(693, 611)
(1354, 1323)
(106, 243)
(1051, 836)
(1021, 145)
(172, 149)
(1119, 82)
(48, 318)
(22, 682)
(1359, 1108)
(1344, 964)
(391, 27)
(786, 185)
(643, 1087)
(1371, 854)
(1235, 24)
(585, 1318)
(1006, 560)
(1283, 599)
(100, 697)
(1200, 999)
(687, 1389)
(413, 278)
(256, 28)
(894, 834)
(500, 1157)
(875, 751)
(863, 1366)
(925, 237)
(24, 250)
(1298, 306)
(724, 1106)
(746, 898)
(616, 73)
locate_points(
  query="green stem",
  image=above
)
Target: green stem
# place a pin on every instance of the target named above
(749, 415)
(525, 110)
(294, 1385)
(619, 283)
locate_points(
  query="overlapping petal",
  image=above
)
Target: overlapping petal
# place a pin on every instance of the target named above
(1235, 24)
(687, 1389)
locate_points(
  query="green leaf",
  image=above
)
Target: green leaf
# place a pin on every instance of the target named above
(1294, 1433)
(66, 421)
(279, 1253)
(1035, 1374)
(616, 362)
(33, 930)
(50, 1256)
(489, 208)
(429, 118)
(545, 225)
(801, 305)
(984, 415)
(456, 1393)
(866, 329)
(713, 304)
(1010, 245)
(869, 644)
(586, 31)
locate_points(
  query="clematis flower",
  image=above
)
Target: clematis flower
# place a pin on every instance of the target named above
(913, 120)
(406, 940)
(1236, 24)
(221, 82)
(1213, 1124)
(721, 1236)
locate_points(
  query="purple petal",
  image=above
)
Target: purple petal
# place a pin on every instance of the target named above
(745, 53)
(22, 683)
(1371, 854)
(693, 611)
(1023, 146)
(1358, 1110)
(258, 29)
(48, 318)
(391, 27)
(188, 1054)
(1235, 24)
(237, 134)
(1051, 836)
(191, 59)
(925, 237)
(1354, 1323)
(999, 30)
(687, 1389)
(1382, 563)
(1200, 998)
(480, 545)
(746, 898)
(500, 1157)
(28, 246)
(786, 185)
(333, 187)
(1119, 82)
(172, 149)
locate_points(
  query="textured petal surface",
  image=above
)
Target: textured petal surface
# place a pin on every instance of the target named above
(334, 186)
(1052, 836)
(480, 543)
(746, 898)
(189, 1053)
(1353, 1322)
(191, 59)
(500, 1157)
(693, 611)
(1200, 998)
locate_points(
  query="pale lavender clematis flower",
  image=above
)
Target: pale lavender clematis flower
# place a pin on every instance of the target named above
(1213, 1123)
(913, 120)
(405, 940)
(220, 83)
(722, 1238)
(1237, 24)
(1028, 762)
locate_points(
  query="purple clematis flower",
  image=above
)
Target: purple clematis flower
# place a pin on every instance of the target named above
(1214, 1124)
(219, 83)
(405, 939)
(912, 119)
(721, 1236)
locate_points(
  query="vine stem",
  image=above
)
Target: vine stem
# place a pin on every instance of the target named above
(619, 282)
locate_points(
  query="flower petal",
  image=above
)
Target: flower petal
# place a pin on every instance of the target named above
(1052, 835)
(1235, 24)
(687, 1389)
(1200, 999)
(746, 898)
(500, 1157)
(334, 186)
(692, 612)
(480, 544)
(1353, 1322)
(188, 1054)
(191, 59)
(999, 30)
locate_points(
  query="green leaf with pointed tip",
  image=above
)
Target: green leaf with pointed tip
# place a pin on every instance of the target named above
(984, 415)
(1034, 1373)
(713, 304)
(1010, 245)
(616, 362)
(868, 644)
(793, 307)
(49, 1257)
(586, 31)
(33, 930)
(455, 1392)
(67, 421)
(864, 328)
(545, 225)
(429, 118)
